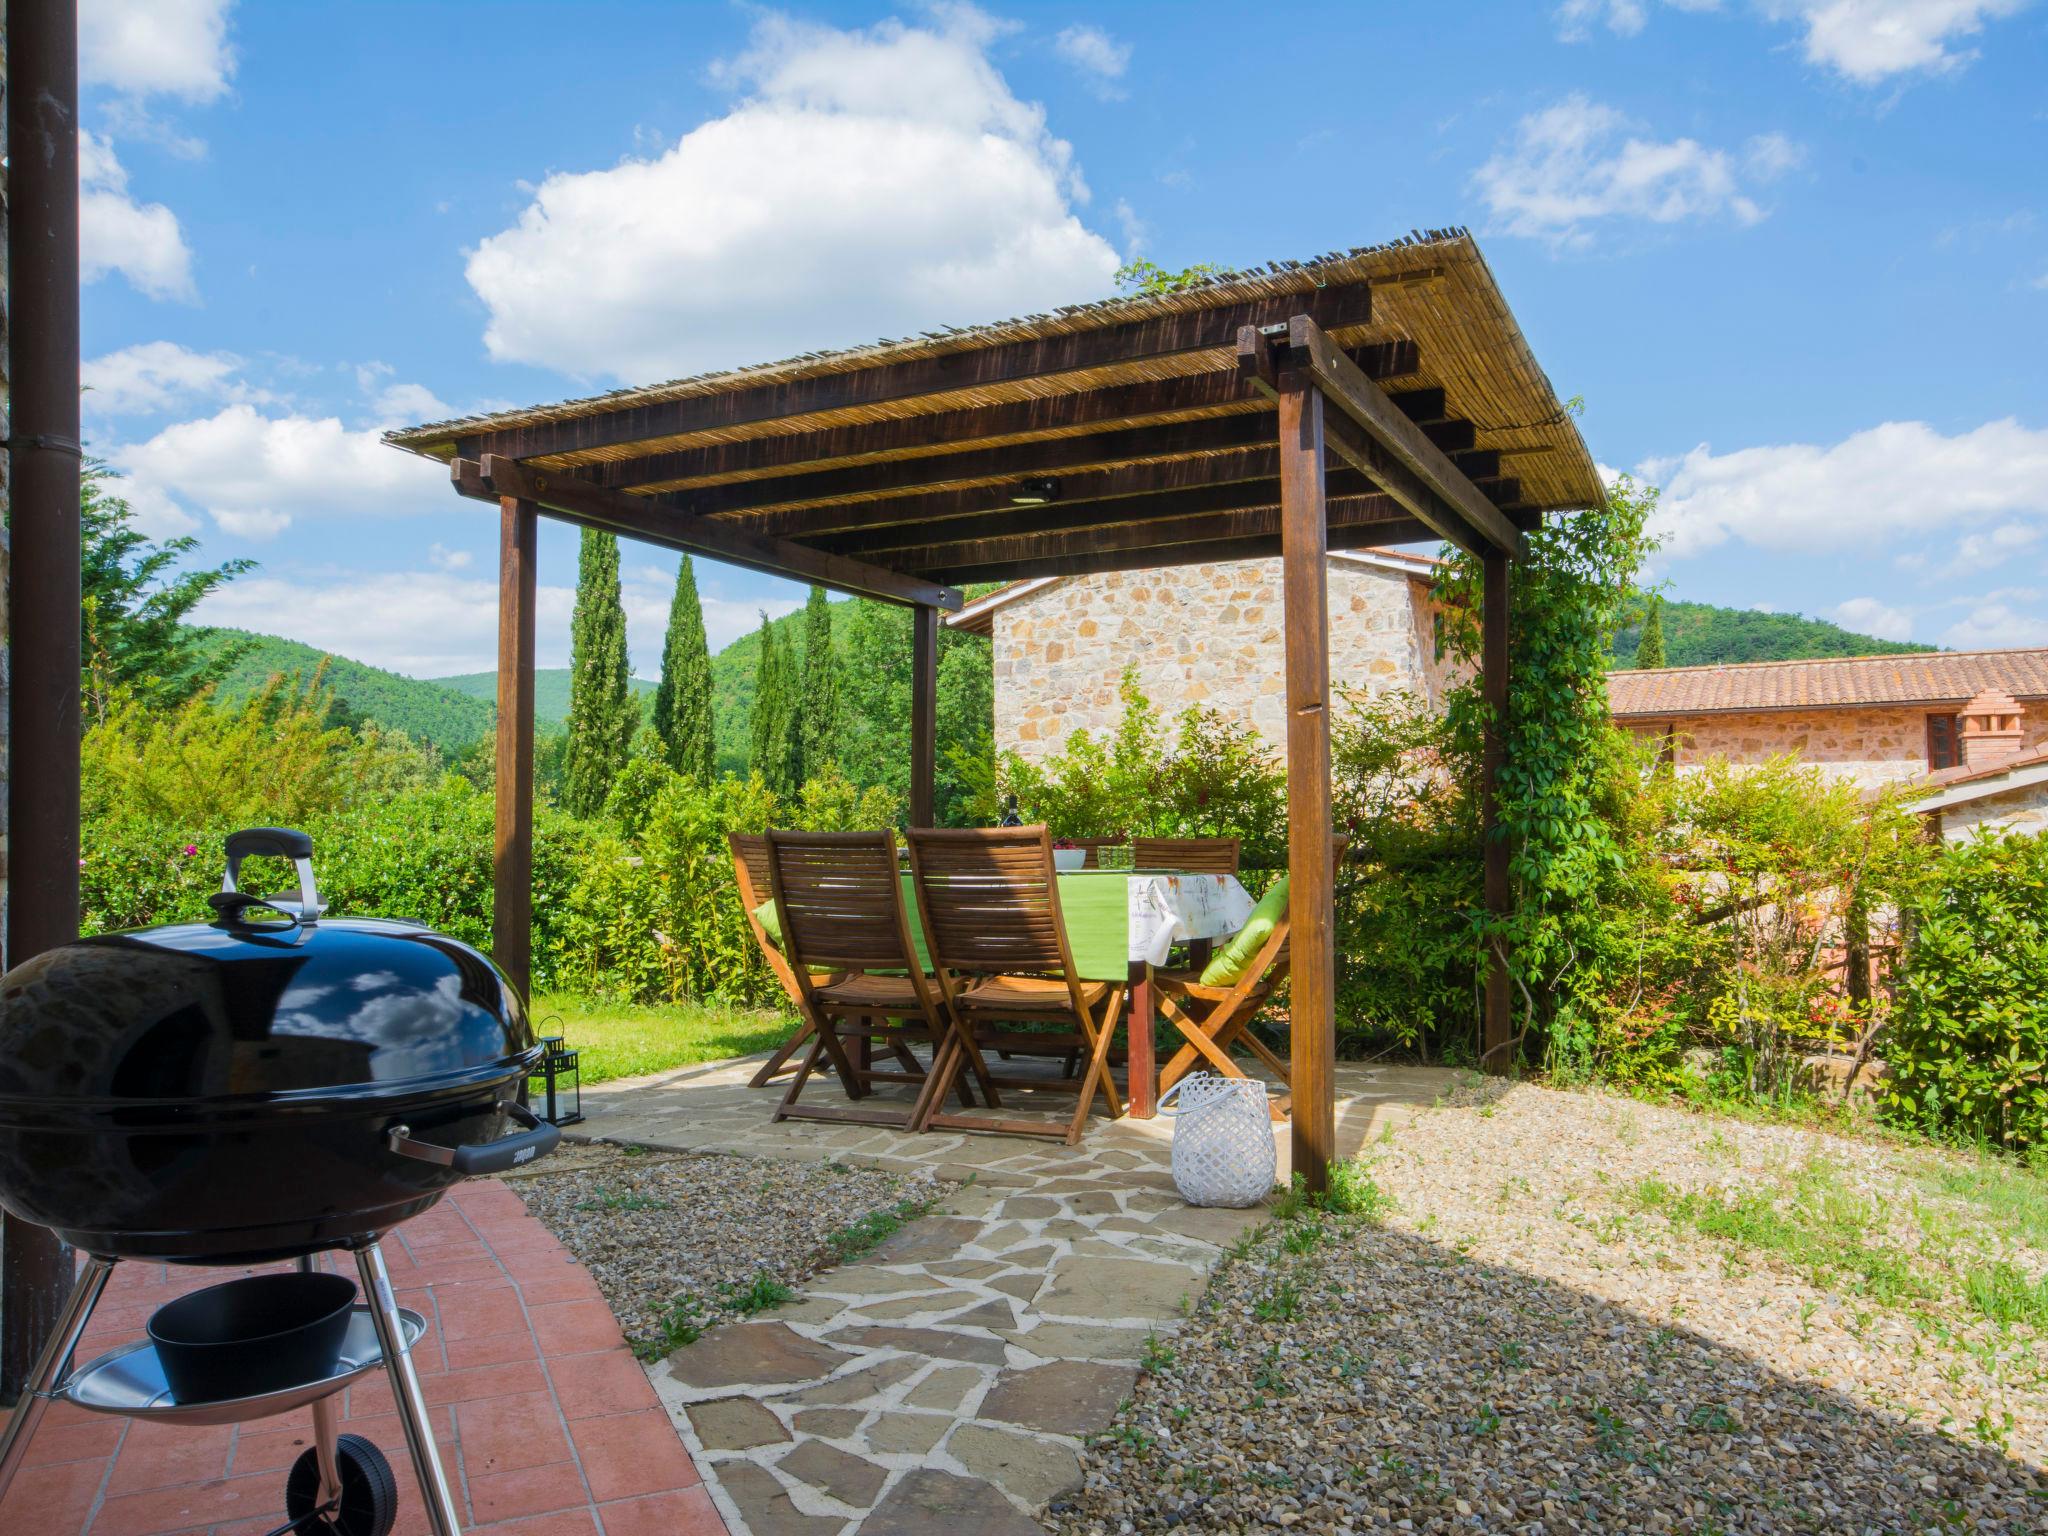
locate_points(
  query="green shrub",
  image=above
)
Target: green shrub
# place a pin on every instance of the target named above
(1210, 776)
(1968, 1050)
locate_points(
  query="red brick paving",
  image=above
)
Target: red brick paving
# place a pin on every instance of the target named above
(546, 1423)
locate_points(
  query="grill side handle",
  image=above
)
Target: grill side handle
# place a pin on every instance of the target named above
(537, 1140)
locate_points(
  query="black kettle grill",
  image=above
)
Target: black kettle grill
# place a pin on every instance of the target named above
(265, 1086)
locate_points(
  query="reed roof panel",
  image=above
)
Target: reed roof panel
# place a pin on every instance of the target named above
(1433, 289)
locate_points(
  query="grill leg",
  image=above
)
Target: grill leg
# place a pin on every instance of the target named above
(51, 1367)
(324, 1429)
(405, 1386)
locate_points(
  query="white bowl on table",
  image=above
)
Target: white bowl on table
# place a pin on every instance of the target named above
(1069, 858)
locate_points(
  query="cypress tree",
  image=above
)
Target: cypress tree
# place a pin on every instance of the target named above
(819, 726)
(1650, 648)
(682, 704)
(772, 748)
(602, 710)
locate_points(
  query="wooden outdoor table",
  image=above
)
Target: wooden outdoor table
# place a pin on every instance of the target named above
(1097, 905)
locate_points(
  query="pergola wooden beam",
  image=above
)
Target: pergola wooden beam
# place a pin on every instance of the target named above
(1006, 465)
(1154, 533)
(1368, 406)
(1222, 467)
(1253, 547)
(1129, 346)
(639, 518)
(1261, 490)
(1150, 402)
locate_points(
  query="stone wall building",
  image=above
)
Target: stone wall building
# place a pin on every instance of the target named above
(1207, 635)
(1874, 719)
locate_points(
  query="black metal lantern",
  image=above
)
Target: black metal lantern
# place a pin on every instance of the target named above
(561, 1082)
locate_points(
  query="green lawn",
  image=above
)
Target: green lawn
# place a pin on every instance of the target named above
(627, 1039)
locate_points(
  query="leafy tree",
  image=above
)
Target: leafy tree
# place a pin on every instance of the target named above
(1650, 648)
(874, 696)
(818, 726)
(1146, 277)
(775, 748)
(135, 606)
(682, 705)
(603, 713)
(966, 726)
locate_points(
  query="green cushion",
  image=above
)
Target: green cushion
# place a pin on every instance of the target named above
(769, 916)
(1228, 965)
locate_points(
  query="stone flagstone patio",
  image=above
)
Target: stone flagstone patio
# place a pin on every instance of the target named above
(951, 1375)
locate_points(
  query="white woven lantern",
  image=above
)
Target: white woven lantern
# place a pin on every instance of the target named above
(1222, 1140)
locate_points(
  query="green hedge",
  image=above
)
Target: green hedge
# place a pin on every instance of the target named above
(1968, 1051)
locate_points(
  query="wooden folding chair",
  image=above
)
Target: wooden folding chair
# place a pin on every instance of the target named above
(840, 896)
(1198, 855)
(1214, 1019)
(991, 910)
(750, 873)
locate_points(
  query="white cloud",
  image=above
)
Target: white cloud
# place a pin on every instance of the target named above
(447, 559)
(1875, 487)
(1578, 163)
(254, 474)
(423, 623)
(1982, 554)
(1624, 18)
(435, 623)
(156, 47)
(157, 376)
(141, 241)
(1869, 41)
(1868, 616)
(1097, 55)
(870, 183)
(1993, 625)
(396, 403)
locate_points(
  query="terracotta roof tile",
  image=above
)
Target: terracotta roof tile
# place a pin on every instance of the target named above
(1924, 677)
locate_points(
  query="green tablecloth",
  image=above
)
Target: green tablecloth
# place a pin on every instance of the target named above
(1096, 908)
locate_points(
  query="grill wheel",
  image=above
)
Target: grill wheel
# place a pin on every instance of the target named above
(369, 1493)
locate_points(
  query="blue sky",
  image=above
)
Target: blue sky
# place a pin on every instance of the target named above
(1792, 253)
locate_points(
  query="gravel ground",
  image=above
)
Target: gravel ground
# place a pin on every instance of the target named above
(1584, 1314)
(679, 1241)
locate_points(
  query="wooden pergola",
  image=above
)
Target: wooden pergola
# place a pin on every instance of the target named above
(1376, 396)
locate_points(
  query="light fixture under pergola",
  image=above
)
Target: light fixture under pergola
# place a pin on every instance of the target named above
(1376, 396)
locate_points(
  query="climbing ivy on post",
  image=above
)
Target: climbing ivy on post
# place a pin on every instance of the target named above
(1567, 599)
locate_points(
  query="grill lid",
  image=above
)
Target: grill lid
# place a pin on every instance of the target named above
(268, 1005)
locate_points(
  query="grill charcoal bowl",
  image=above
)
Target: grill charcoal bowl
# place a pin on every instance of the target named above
(248, 1337)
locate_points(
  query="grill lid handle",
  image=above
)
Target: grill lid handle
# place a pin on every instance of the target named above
(537, 1140)
(280, 843)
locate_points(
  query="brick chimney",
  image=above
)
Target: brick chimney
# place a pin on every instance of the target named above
(1991, 728)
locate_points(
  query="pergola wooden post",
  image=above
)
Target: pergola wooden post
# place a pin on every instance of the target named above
(1496, 1029)
(924, 712)
(1311, 867)
(1134, 434)
(512, 861)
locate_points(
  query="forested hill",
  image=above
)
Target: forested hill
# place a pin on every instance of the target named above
(425, 711)
(550, 691)
(1700, 634)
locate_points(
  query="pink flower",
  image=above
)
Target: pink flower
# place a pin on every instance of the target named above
(190, 849)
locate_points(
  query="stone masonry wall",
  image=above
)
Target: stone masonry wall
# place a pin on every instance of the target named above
(2021, 809)
(1871, 746)
(1207, 635)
